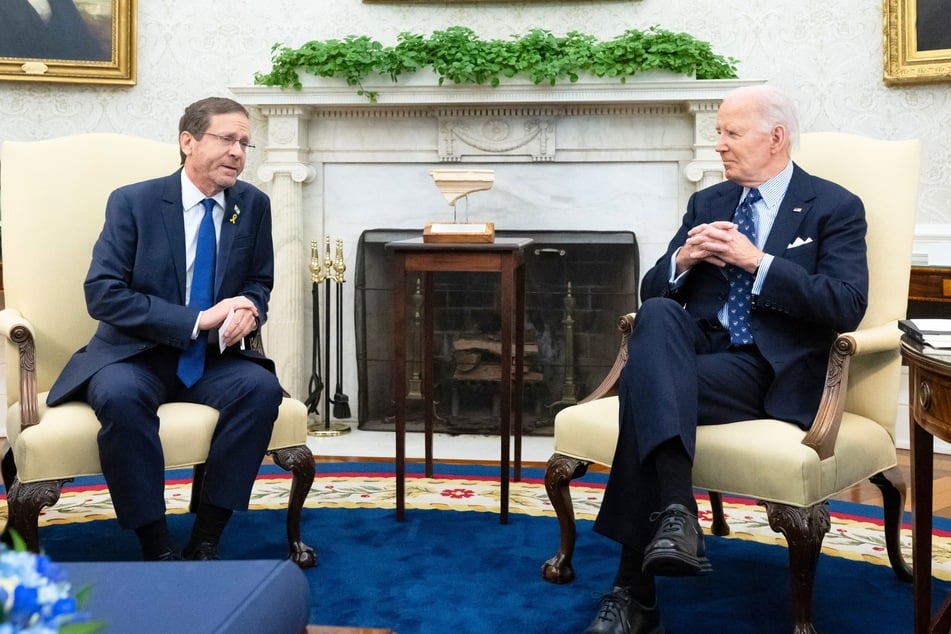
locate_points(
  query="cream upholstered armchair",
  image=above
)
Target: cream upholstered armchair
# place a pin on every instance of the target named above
(52, 203)
(792, 472)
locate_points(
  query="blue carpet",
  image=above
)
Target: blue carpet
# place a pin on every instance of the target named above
(446, 572)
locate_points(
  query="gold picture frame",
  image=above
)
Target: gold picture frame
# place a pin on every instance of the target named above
(916, 44)
(94, 42)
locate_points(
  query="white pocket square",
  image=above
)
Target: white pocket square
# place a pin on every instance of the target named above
(798, 242)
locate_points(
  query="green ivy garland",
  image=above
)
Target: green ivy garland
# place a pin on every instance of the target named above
(457, 54)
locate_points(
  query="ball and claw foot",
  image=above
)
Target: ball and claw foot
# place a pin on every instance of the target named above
(303, 555)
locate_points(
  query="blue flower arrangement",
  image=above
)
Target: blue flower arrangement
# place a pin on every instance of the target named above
(35, 596)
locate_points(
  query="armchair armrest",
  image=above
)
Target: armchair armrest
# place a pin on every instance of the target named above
(608, 386)
(18, 330)
(825, 427)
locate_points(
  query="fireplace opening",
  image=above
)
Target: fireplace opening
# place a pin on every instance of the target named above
(577, 283)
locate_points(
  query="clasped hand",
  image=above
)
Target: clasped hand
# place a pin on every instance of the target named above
(719, 243)
(245, 318)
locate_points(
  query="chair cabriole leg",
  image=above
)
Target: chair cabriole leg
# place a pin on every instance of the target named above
(892, 485)
(718, 526)
(24, 503)
(804, 529)
(299, 461)
(8, 468)
(559, 473)
(198, 481)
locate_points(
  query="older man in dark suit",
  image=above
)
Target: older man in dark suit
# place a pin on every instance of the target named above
(736, 323)
(180, 274)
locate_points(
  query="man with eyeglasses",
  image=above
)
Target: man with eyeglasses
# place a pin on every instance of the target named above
(180, 275)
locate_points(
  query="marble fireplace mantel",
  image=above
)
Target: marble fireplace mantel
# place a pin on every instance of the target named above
(567, 156)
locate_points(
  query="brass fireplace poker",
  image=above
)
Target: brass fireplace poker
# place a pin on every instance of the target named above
(340, 400)
(316, 384)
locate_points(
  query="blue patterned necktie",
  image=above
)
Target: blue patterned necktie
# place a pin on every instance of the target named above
(741, 282)
(191, 363)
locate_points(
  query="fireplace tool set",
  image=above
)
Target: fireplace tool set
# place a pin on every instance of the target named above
(332, 270)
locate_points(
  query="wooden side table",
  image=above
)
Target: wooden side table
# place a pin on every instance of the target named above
(505, 256)
(929, 377)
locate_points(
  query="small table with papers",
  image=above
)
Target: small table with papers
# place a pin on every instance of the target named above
(932, 333)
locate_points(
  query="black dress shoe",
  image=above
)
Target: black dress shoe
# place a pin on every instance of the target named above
(676, 549)
(619, 613)
(166, 555)
(202, 551)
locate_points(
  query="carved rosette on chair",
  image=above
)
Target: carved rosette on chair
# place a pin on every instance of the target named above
(791, 472)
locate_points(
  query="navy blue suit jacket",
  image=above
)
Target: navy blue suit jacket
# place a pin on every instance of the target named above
(135, 287)
(812, 291)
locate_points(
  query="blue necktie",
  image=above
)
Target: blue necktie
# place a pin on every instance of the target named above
(741, 282)
(191, 364)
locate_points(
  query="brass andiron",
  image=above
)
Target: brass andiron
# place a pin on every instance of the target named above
(568, 396)
(416, 379)
(329, 428)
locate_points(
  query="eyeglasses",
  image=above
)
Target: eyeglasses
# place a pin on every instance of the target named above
(228, 141)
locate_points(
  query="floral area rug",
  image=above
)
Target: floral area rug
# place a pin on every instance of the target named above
(856, 532)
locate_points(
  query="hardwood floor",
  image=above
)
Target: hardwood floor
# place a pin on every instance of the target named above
(868, 493)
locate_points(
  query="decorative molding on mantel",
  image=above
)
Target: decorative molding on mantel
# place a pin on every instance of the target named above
(336, 93)
(645, 121)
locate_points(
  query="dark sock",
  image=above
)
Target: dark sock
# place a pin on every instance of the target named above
(154, 539)
(629, 575)
(209, 524)
(674, 474)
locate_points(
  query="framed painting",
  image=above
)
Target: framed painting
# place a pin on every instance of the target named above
(917, 41)
(68, 41)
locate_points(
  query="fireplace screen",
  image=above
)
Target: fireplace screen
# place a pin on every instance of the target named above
(577, 283)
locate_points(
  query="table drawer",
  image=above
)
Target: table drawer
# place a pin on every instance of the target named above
(930, 283)
(931, 401)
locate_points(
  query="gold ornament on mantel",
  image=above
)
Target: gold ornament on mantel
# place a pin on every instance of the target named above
(455, 184)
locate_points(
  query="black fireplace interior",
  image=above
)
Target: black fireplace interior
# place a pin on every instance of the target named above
(576, 282)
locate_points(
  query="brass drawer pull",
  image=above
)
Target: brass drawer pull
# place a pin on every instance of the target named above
(924, 395)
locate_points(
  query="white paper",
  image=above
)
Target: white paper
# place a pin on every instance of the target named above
(933, 326)
(221, 331)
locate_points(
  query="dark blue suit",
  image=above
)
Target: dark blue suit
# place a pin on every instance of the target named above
(681, 371)
(135, 288)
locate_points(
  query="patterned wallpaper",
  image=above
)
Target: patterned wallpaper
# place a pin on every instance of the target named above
(827, 53)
